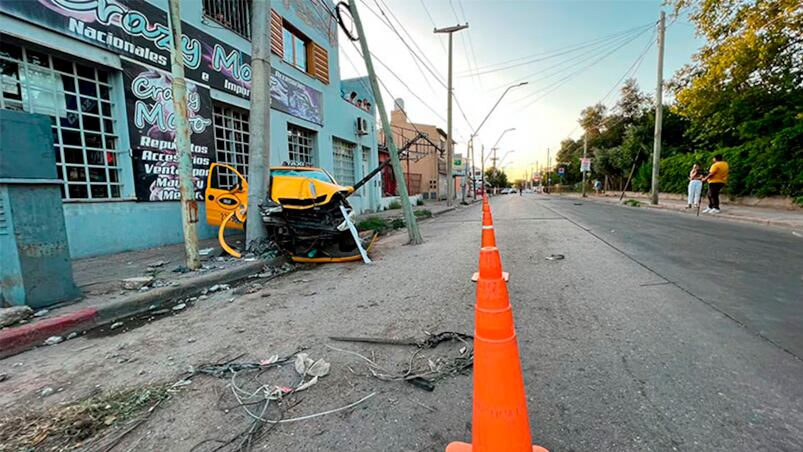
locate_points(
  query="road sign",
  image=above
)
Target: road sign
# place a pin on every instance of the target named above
(561, 171)
(585, 165)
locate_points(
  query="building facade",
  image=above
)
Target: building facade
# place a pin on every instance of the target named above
(423, 155)
(100, 69)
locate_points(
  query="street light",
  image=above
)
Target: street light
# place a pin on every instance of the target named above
(505, 155)
(477, 131)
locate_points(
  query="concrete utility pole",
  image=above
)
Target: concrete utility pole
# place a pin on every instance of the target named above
(259, 138)
(548, 171)
(585, 155)
(449, 144)
(407, 208)
(659, 112)
(189, 205)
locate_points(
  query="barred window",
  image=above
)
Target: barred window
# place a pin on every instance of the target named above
(231, 142)
(300, 144)
(343, 161)
(232, 14)
(78, 99)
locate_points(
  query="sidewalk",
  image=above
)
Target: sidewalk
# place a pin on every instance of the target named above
(789, 218)
(123, 285)
(435, 207)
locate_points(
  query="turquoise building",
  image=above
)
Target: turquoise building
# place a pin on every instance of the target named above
(100, 70)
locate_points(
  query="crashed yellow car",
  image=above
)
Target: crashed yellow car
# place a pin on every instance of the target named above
(305, 215)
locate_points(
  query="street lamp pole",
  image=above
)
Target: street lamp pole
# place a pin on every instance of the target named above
(477, 130)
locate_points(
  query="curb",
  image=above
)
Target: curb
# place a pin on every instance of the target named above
(727, 217)
(19, 339)
(741, 219)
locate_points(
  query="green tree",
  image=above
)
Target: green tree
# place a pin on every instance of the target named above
(496, 179)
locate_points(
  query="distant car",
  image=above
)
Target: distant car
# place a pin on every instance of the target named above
(507, 191)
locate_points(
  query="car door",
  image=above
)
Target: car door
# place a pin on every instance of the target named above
(226, 190)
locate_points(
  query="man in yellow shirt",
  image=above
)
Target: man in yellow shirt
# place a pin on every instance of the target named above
(717, 178)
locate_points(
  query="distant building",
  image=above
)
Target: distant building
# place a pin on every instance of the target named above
(101, 71)
(423, 156)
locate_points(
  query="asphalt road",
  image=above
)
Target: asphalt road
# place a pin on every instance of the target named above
(629, 343)
(753, 274)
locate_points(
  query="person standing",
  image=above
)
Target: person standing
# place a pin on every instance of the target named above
(695, 186)
(717, 178)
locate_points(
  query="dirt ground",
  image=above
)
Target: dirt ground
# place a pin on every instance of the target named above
(296, 311)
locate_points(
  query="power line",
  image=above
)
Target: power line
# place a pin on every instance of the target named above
(558, 68)
(562, 81)
(426, 10)
(414, 54)
(510, 64)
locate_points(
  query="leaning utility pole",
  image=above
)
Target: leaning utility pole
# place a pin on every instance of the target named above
(407, 208)
(259, 138)
(659, 111)
(449, 144)
(189, 205)
(585, 155)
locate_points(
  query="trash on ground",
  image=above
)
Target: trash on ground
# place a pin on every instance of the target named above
(268, 403)
(137, 282)
(424, 375)
(179, 306)
(116, 325)
(555, 257)
(47, 391)
(53, 340)
(41, 313)
(72, 335)
(12, 315)
(205, 252)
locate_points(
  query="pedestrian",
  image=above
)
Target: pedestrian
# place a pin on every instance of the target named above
(695, 186)
(717, 178)
(597, 186)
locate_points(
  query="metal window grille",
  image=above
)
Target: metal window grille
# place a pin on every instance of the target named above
(232, 14)
(78, 99)
(300, 144)
(231, 142)
(344, 161)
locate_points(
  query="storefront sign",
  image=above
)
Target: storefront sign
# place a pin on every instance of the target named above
(585, 165)
(139, 31)
(295, 98)
(152, 131)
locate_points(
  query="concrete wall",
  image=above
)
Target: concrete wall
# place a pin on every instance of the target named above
(105, 227)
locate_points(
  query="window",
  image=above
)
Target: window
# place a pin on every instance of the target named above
(231, 142)
(294, 49)
(305, 173)
(344, 161)
(78, 99)
(232, 14)
(300, 143)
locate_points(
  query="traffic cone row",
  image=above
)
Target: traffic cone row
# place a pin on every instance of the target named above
(499, 422)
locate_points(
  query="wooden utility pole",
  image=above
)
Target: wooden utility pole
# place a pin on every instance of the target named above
(449, 89)
(659, 111)
(407, 208)
(259, 138)
(189, 205)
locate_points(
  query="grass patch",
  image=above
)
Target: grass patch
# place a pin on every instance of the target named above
(377, 224)
(799, 201)
(422, 213)
(632, 203)
(67, 427)
(397, 223)
(394, 205)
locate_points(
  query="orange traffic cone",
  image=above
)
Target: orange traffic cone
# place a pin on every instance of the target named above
(499, 422)
(488, 236)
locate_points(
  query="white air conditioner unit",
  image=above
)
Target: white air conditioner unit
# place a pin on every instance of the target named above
(362, 126)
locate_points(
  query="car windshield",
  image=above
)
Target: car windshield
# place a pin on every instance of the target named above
(315, 174)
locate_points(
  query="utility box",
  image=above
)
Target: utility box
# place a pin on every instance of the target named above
(35, 265)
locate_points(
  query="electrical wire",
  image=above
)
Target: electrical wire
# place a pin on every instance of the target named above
(549, 89)
(542, 56)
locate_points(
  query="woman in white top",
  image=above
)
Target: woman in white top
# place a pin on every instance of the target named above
(695, 186)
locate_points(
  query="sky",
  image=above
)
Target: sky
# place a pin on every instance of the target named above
(571, 53)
